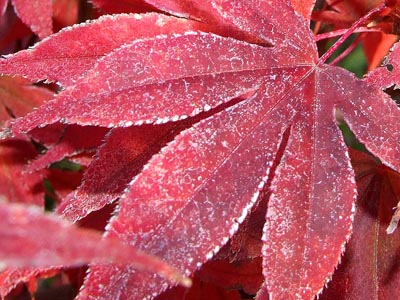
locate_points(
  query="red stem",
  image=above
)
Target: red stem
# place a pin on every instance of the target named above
(331, 34)
(353, 27)
(346, 52)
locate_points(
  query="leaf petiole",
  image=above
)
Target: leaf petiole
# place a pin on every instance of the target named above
(350, 31)
(335, 33)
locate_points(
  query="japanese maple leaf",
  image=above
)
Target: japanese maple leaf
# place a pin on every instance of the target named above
(271, 100)
(18, 97)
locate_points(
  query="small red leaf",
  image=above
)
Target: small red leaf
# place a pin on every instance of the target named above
(64, 244)
(19, 97)
(15, 184)
(36, 14)
(10, 278)
(303, 7)
(389, 73)
(74, 140)
(376, 47)
(65, 13)
(122, 156)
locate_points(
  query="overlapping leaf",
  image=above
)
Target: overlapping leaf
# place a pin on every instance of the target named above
(201, 290)
(387, 75)
(19, 97)
(36, 14)
(116, 163)
(122, 6)
(3, 6)
(62, 244)
(11, 277)
(74, 140)
(189, 198)
(370, 265)
(14, 155)
(245, 275)
(304, 7)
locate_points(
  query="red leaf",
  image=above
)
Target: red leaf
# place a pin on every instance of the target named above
(19, 97)
(10, 278)
(304, 7)
(36, 14)
(3, 6)
(122, 6)
(63, 181)
(63, 244)
(14, 33)
(301, 203)
(65, 13)
(389, 73)
(74, 140)
(128, 81)
(56, 58)
(122, 157)
(15, 184)
(244, 275)
(200, 290)
(377, 46)
(369, 267)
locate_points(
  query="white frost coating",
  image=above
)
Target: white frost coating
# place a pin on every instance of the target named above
(239, 220)
(85, 24)
(160, 21)
(353, 211)
(261, 185)
(140, 122)
(127, 123)
(162, 120)
(175, 118)
(234, 229)
(196, 111)
(88, 271)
